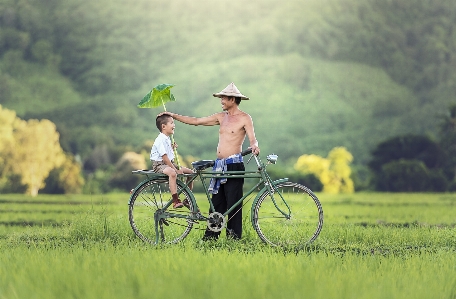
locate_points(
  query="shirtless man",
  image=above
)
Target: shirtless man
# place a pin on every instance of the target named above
(234, 126)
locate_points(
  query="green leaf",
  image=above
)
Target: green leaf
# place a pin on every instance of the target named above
(157, 97)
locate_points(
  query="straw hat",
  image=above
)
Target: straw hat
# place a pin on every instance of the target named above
(231, 91)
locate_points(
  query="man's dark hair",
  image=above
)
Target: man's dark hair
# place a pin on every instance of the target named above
(237, 100)
(162, 120)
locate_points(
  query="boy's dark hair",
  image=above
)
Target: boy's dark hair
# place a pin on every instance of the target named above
(162, 120)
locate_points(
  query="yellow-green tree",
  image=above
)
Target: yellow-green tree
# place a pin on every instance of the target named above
(7, 121)
(333, 172)
(68, 176)
(35, 151)
(30, 150)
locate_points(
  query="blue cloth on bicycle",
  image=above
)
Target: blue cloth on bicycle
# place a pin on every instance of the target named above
(220, 166)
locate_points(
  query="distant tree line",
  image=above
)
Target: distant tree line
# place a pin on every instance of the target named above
(414, 163)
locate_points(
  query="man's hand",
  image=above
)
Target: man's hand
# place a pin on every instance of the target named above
(167, 113)
(255, 150)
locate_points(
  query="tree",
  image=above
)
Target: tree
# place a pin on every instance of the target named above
(408, 147)
(122, 177)
(7, 121)
(408, 163)
(333, 172)
(65, 179)
(35, 152)
(448, 141)
(405, 176)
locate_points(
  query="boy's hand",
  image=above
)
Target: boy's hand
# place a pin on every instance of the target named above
(174, 145)
(179, 171)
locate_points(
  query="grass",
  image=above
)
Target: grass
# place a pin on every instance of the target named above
(372, 246)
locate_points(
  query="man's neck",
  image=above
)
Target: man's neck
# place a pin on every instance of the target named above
(232, 111)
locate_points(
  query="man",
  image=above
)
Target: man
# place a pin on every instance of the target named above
(234, 126)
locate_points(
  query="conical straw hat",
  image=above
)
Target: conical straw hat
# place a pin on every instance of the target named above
(231, 91)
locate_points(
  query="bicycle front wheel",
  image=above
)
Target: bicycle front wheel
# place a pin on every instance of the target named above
(147, 204)
(293, 220)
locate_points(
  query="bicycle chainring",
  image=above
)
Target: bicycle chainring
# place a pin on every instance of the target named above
(216, 222)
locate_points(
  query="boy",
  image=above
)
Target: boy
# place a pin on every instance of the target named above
(162, 156)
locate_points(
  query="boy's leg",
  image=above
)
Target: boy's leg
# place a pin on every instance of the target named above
(188, 171)
(171, 173)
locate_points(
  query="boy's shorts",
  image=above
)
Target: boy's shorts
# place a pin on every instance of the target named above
(159, 166)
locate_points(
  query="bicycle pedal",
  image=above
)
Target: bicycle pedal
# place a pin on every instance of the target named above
(165, 222)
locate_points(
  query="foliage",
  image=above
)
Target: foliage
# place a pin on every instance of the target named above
(410, 147)
(410, 163)
(29, 152)
(65, 179)
(122, 177)
(404, 176)
(447, 136)
(333, 172)
(34, 165)
(344, 72)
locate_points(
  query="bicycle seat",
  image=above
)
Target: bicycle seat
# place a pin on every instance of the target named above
(203, 164)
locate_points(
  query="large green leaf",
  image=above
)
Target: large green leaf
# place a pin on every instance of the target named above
(157, 97)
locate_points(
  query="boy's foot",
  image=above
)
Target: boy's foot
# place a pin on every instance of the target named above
(177, 204)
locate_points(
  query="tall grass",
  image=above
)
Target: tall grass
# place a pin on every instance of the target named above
(94, 254)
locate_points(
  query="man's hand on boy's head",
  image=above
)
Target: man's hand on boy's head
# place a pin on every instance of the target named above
(167, 113)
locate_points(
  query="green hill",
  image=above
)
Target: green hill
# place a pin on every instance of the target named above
(319, 74)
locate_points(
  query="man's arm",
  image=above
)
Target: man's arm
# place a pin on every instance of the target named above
(251, 135)
(211, 120)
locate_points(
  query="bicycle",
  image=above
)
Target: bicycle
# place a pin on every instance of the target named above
(283, 213)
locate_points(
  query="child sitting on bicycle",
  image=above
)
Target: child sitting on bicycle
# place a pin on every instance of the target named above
(162, 157)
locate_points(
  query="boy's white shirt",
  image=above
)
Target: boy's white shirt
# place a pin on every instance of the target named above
(162, 145)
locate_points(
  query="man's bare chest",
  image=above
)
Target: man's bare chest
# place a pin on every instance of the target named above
(232, 125)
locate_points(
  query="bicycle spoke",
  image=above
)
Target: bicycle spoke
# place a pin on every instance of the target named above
(149, 199)
(300, 227)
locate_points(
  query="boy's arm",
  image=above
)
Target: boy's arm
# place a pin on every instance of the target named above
(168, 163)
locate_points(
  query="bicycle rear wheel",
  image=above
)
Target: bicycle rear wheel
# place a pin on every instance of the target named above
(292, 222)
(148, 201)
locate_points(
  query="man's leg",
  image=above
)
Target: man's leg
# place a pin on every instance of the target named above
(233, 192)
(219, 202)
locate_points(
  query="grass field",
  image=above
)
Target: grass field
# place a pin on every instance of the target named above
(372, 245)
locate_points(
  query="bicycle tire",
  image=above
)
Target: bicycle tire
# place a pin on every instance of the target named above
(150, 197)
(300, 229)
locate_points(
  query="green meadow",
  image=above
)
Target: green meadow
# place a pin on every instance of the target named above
(373, 245)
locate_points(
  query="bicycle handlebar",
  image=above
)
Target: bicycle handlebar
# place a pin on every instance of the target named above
(246, 152)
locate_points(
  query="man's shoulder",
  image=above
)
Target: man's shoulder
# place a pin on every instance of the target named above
(245, 115)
